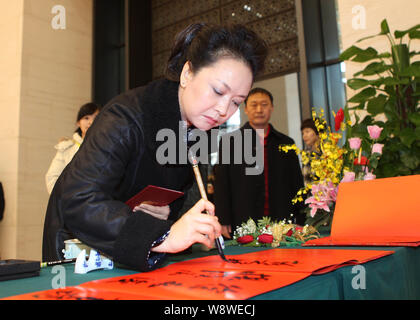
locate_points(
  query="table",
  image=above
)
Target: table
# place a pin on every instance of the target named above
(395, 276)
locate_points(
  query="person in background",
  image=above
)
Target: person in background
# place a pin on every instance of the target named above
(310, 136)
(67, 148)
(209, 73)
(239, 196)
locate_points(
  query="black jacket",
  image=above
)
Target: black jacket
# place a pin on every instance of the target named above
(239, 197)
(116, 160)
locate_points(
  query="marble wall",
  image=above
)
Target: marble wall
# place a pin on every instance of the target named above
(46, 76)
(11, 28)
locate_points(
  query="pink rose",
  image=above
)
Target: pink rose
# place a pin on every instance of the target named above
(377, 148)
(355, 143)
(369, 176)
(374, 131)
(348, 177)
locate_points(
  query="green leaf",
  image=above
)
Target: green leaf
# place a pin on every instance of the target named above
(402, 169)
(407, 136)
(366, 55)
(399, 34)
(415, 34)
(410, 160)
(357, 83)
(384, 55)
(373, 68)
(388, 170)
(364, 95)
(373, 161)
(414, 119)
(384, 27)
(390, 90)
(387, 81)
(389, 110)
(349, 53)
(376, 105)
(361, 106)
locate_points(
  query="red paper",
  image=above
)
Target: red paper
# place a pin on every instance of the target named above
(381, 212)
(153, 195)
(210, 278)
(76, 293)
(312, 261)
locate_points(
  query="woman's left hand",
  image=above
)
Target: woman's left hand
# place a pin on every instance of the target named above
(160, 212)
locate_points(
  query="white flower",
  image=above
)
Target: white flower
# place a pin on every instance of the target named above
(251, 226)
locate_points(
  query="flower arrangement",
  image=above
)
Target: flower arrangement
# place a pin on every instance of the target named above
(272, 234)
(334, 164)
(363, 166)
(326, 170)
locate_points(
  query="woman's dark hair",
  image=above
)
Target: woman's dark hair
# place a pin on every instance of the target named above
(86, 110)
(203, 44)
(309, 123)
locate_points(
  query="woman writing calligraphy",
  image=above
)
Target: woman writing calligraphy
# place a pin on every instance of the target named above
(210, 72)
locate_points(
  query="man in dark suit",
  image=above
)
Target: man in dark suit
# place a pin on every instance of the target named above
(267, 190)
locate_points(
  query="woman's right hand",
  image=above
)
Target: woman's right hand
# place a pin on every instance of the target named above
(193, 227)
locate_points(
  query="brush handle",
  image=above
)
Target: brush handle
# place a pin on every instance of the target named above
(200, 182)
(204, 196)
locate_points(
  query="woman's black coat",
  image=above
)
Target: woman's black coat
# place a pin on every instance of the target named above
(116, 160)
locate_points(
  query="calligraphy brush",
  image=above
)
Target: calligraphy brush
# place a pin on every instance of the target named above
(53, 263)
(200, 184)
